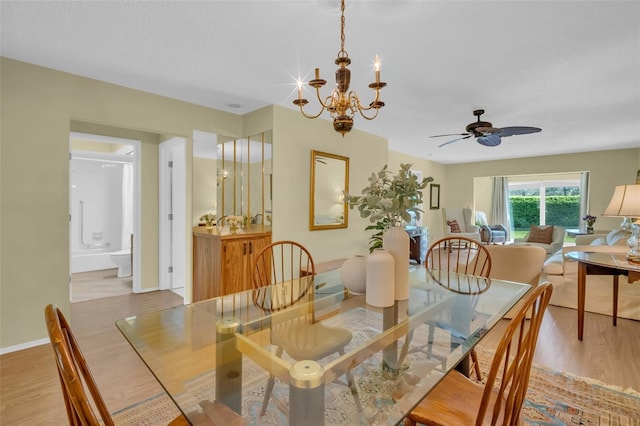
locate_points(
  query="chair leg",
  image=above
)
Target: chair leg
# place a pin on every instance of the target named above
(270, 383)
(352, 386)
(475, 365)
(267, 395)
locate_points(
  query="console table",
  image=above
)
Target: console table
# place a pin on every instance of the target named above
(601, 263)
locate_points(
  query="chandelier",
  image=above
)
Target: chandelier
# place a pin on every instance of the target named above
(343, 104)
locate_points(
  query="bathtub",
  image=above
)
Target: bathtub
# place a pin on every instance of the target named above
(91, 261)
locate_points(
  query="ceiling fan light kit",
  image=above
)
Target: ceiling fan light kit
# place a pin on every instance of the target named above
(342, 104)
(486, 134)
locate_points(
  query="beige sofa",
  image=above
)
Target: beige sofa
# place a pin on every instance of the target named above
(556, 242)
(563, 274)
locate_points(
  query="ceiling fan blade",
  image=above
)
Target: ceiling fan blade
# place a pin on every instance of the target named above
(489, 140)
(485, 130)
(454, 140)
(517, 130)
(452, 134)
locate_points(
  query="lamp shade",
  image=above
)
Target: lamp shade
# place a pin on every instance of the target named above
(625, 202)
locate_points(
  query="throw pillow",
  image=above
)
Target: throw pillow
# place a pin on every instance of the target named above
(454, 227)
(540, 234)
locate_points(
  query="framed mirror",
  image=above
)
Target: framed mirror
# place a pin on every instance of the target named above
(329, 182)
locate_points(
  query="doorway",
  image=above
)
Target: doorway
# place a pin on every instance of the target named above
(104, 213)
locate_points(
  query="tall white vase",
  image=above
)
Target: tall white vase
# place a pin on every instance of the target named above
(396, 241)
(380, 275)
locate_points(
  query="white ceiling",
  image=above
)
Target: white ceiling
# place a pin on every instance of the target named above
(571, 68)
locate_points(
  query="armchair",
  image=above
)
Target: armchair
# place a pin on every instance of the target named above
(490, 233)
(457, 223)
(541, 236)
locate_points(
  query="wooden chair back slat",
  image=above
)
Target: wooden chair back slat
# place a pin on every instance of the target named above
(75, 377)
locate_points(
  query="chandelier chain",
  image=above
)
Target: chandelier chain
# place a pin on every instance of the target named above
(342, 29)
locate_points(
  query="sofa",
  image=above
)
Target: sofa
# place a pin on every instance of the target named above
(521, 264)
(563, 274)
(534, 237)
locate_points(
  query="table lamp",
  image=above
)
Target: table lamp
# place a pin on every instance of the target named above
(626, 203)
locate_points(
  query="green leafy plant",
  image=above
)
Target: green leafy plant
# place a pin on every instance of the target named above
(389, 199)
(375, 241)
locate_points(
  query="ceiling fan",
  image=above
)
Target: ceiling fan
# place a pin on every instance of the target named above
(486, 134)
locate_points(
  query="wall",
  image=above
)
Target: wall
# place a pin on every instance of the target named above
(432, 219)
(294, 139)
(38, 105)
(607, 169)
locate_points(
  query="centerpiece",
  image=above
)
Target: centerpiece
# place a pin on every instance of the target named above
(209, 219)
(235, 222)
(388, 201)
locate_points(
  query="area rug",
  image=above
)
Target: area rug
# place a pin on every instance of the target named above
(553, 398)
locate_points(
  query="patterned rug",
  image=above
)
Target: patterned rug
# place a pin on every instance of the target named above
(553, 398)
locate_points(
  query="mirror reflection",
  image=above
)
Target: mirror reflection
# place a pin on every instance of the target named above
(232, 177)
(329, 182)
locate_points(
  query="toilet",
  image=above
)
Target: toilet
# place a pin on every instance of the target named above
(122, 259)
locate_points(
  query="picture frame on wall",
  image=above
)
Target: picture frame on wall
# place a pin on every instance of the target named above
(434, 196)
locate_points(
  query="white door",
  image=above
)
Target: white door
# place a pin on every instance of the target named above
(173, 215)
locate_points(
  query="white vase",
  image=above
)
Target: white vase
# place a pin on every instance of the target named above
(396, 241)
(353, 274)
(380, 275)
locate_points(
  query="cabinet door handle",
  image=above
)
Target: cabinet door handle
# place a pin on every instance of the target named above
(250, 247)
(244, 245)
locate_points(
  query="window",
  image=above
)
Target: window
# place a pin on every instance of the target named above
(545, 200)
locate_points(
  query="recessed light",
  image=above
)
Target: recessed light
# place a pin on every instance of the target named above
(234, 105)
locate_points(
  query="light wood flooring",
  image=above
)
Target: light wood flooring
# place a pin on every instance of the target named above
(29, 386)
(98, 284)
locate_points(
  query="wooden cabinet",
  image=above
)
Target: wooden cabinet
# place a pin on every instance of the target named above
(417, 240)
(222, 263)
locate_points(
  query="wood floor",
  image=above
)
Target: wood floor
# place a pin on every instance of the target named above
(29, 386)
(98, 284)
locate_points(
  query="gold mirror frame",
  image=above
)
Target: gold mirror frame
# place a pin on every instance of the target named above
(329, 183)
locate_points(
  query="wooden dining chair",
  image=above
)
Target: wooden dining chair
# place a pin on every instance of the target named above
(456, 400)
(459, 254)
(464, 256)
(75, 378)
(284, 278)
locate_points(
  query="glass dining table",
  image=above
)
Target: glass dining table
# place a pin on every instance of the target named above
(226, 349)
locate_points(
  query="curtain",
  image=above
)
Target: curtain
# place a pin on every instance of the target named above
(584, 195)
(500, 208)
(127, 206)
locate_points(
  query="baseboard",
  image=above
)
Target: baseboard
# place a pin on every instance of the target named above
(22, 346)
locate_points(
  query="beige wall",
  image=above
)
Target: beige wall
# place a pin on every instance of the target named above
(294, 138)
(38, 106)
(432, 219)
(607, 169)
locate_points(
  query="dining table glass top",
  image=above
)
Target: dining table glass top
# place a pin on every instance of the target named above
(315, 342)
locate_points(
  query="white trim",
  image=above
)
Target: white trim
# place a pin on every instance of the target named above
(21, 346)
